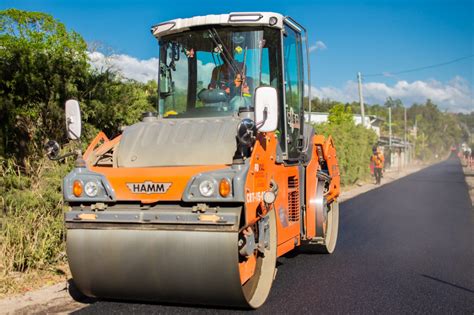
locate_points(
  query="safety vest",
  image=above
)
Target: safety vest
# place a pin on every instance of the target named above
(378, 160)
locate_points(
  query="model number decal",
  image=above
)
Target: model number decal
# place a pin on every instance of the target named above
(255, 196)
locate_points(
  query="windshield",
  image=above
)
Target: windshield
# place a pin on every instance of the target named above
(215, 71)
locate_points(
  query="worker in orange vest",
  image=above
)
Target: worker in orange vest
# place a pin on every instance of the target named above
(378, 160)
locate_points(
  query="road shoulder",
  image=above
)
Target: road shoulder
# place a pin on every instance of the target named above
(469, 177)
(388, 177)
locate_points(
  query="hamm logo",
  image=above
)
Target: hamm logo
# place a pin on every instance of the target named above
(148, 187)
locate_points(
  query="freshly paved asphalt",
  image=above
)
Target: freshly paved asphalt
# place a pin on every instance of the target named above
(406, 247)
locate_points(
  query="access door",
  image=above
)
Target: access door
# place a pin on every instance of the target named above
(294, 90)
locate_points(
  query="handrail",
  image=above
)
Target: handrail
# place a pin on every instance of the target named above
(298, 27)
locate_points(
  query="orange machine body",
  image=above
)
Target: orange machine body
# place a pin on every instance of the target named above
(294, 208)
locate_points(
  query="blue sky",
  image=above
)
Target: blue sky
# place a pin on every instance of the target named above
(367, 36)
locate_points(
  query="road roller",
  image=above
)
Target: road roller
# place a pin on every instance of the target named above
(196, 201)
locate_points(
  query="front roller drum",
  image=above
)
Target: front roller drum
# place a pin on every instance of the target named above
(173, 266)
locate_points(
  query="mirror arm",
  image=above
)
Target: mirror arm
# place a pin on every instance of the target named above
(79, 162)
(265, 116)
(59, 158)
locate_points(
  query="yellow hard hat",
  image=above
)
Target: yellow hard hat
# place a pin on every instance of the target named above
(170, 112)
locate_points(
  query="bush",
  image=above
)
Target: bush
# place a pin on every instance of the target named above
(32, 225)
(353, 144)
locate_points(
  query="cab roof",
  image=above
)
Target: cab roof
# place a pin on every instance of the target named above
(270, 19)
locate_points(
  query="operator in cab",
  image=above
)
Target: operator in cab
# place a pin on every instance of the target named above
(224, 78)
(230, 76)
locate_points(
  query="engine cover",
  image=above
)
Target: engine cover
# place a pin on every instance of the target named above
(178, 142)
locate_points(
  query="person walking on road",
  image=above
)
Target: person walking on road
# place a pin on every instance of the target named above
(378, 161)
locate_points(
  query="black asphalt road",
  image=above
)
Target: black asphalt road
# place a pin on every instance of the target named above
(406, 247)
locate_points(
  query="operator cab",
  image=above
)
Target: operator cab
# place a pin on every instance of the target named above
(212, 66)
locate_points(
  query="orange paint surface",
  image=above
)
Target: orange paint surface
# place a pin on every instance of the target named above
(247, 268)
(121, 178)
(263, 169)
(178, 177)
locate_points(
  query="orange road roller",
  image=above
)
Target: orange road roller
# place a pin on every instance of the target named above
(194, 203)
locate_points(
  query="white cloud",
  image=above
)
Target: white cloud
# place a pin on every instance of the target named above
(319, 45)
(454, 95)
(128, 67)
(145, 70)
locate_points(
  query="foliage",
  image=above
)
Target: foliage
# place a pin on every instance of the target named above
(111, 103)
(32, 231)
(339, 115)
(436, 132)
(353, 143)
(467, 122)
(319, 105)
(431, 131)
(41, 65)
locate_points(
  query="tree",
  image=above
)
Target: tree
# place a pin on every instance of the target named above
(41, 65)
(110, 103)
(319, 105)
(353, 143)
(437, 131)
(339, 115)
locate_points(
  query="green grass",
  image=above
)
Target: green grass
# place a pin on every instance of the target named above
(32, 232)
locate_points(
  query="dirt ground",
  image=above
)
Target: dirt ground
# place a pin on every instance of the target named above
(388, 176)
(469, 176)
(46, 293)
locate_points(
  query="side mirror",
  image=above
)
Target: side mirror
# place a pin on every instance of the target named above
(266, 108)
(246, 132)
(73, 119)
(52, 149)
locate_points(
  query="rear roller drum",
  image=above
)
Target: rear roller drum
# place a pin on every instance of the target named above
(331, 228)
(327, 222)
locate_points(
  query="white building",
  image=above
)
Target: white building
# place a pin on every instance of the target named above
(371, 121)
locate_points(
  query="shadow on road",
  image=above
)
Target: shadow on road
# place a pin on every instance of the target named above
(448, 283)
(77, 296)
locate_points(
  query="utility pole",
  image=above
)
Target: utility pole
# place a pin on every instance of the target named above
(405, 118)
(405, 136)
(390, 127)
(416, 136)
(361, 98)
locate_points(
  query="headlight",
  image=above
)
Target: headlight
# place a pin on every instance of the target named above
(83, 185)
(91, 189)
(206, 188)
(225, 185)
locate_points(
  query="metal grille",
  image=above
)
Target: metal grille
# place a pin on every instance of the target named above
(293, 199)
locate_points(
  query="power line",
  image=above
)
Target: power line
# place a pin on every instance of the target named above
(418, 69)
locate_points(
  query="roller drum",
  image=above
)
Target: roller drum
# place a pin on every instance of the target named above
(174, 266)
